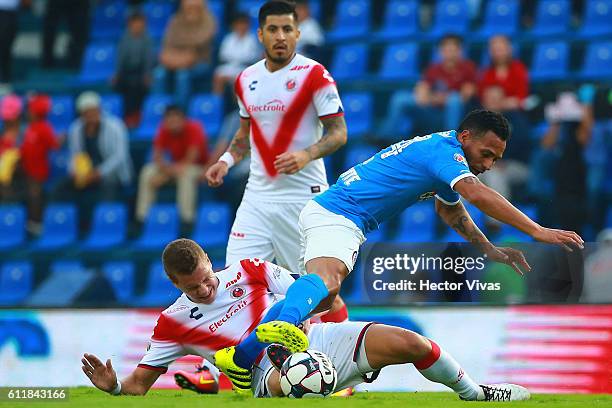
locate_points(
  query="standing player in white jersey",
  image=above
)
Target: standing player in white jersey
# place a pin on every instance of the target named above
(286, 101)
(218, 310)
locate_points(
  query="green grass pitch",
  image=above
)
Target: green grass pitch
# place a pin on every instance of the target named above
(92, 398)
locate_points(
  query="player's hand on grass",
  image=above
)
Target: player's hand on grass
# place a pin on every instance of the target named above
(101, 375)
(215, 173)
(511, 257)
(291, 163)
(566, 239)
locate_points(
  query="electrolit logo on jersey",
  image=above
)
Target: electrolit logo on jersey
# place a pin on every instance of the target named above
(234, 281)
(230, 313)
(460, 159)
(275, 105)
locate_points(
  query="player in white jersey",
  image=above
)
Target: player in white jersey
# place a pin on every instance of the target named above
(219, 310)
(286, 103)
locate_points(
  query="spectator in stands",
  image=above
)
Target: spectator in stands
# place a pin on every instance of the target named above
(311, 33)
(439, 97)
(186, 49)
(135, 61)
(239, 49)
(597, 282)
(38, 141)
(185, 142)
(9, 10)
(76, 15)
(100, 162)
(570, 124)
(10, 112)
(503, 87)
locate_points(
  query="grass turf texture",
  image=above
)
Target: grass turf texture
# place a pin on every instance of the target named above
(92, 398)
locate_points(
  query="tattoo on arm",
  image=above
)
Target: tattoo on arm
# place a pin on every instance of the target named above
(240, 146)
(332, 140)
(468, 229)
(471, 180)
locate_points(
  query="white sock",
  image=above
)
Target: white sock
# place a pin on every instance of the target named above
(441, 367)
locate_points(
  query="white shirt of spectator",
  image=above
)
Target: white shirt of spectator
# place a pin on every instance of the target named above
(310, 34)
(285, 108)
(236, 53)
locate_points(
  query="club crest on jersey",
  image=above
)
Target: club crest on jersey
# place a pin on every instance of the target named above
(291, 85)
(460, 159)
(238, 292)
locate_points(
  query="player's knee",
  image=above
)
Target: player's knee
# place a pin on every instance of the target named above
(332, 274)
(412, 345)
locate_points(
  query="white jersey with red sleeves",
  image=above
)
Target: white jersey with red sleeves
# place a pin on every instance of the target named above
(285, 109)
(247, 290)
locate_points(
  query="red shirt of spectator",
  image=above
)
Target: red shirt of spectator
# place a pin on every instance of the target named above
(441, 78)
(515, 81)
(38, 140)
(6, 142)
(192, 135)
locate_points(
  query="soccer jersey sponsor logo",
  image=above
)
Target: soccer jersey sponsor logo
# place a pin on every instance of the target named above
(299, 67)
(275, 105)
(176, 309)
(234, 281)
(230, 313)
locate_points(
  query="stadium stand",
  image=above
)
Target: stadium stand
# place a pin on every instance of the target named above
(12, 226)
(401, 20)
(16, 282)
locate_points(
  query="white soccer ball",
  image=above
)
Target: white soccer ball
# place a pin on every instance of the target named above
(310, 374)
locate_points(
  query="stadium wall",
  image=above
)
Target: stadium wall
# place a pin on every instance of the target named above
(552, 349)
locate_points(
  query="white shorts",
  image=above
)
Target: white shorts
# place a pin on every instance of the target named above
(266, 230)
(326, 234)
(341, 342)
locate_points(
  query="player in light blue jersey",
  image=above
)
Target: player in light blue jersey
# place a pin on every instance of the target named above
(442, 165)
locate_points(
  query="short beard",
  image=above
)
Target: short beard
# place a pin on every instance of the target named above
(279, 60)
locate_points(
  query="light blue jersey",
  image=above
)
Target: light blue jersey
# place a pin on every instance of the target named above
(397, 177)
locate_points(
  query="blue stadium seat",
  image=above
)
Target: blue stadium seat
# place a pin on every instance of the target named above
(59, 162)
(108, 20)
(511, 234)
(315, 9)
(59, 227)
(208, 109)
(16, 280)
(358, 108)
(401, 20)
(109, 227)
(160, 227)
(98, 63)
(350, 62)
(159, 291)
(352, 20)
(120, 274)
(217, 8)
(12, 226)
(400, 62)
(417, 223)
(68, 279)
(251, 7)
(450, 18)
(152, 113)
(552, 18)
(158, 14)
(212, 225)
(596, 19)
(501, 17)
(550, 61)
(597, 62)
(62, 112)
(358, 153)
(113, 104)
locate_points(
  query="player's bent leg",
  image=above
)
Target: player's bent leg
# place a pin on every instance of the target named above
(388, 345)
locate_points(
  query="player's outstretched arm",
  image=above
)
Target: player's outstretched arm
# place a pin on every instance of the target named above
(457, 217)
(495, 205)
(104, 377)
(239, 148)
(334, 138)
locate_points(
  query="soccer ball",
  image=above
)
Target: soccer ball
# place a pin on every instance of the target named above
(310, 374)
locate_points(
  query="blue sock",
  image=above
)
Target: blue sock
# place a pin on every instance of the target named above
(302, 297)
(247, 351)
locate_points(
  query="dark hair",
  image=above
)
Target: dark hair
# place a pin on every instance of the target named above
(276, 8)
(173, 108)
(451, 37)
(136, 15)
(182, 257)
(241, 16)
(480, 121)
